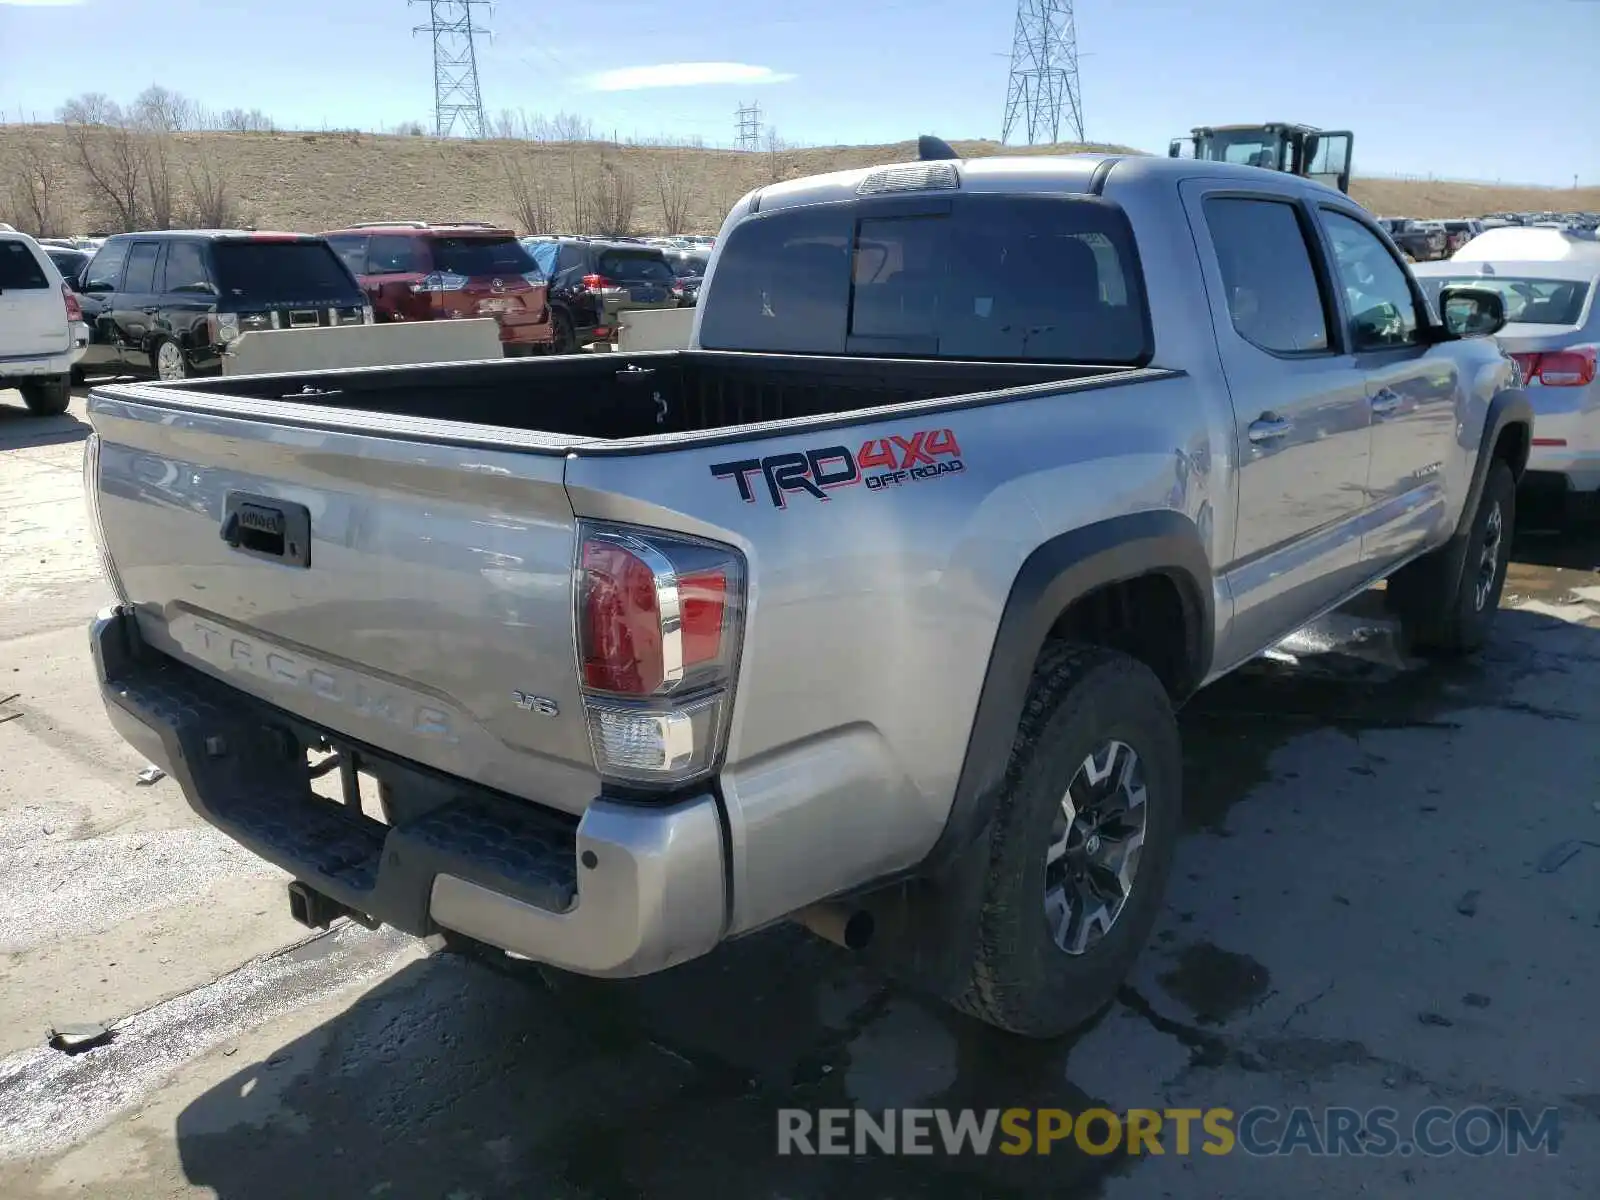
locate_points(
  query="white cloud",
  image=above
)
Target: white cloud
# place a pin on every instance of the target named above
(682, 74)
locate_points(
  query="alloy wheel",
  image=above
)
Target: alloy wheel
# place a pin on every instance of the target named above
(1095, 843)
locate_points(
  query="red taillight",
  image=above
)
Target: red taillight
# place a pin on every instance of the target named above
(642, 627)
(660, 619)
(74, 309)
(1572, 367)
(702, 601)
(596, 282)
(1568, 368)
(620, 639)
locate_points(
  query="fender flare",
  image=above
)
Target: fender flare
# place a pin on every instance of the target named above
(1057, 573)
(1510, 407)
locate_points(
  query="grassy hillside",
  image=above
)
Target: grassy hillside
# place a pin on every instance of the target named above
(312, 181)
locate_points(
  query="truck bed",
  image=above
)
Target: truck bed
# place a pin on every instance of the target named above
(613, 397)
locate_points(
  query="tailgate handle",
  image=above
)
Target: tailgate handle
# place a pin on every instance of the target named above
(266, 527)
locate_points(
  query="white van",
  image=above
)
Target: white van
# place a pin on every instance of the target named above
(42, 331)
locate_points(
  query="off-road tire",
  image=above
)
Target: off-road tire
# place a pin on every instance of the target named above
(1442, 607)
(46, 397)
(1081, 696)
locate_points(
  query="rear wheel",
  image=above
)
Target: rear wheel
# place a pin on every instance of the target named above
(1082, 843)
(46, 397)
(168, 360)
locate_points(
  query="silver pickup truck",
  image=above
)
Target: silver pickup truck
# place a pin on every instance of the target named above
(870, 610)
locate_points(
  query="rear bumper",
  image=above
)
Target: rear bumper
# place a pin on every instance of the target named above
(46, 366)
(626, 890)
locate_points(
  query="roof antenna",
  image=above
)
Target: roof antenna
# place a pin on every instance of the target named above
(932, 149)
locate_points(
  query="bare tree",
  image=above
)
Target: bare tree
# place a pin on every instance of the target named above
(162, 110)
(780, 159)
(579, 207)
(209, 199)
(237, 120)
(675, 191)
(529, 198)
(113, 162)
(569, 127)
(160, 197)
(91, 108)
(613, 198)
(39, 191)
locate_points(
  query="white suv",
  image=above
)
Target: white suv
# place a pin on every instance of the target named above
(42, 331)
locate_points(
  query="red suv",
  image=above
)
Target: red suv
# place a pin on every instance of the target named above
(413, 271)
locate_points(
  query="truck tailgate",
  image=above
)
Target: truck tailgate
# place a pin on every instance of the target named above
(432, 617)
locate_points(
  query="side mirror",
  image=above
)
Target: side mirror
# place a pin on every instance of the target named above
(95, 286)
(1472, 311)
(202, 288)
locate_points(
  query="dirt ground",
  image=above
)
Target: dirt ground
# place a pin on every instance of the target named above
(1389, 894)
(316, 181)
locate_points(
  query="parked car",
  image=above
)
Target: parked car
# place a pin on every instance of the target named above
(413, 271)
(1457, 233)
(69, 261)
(863, 610)
(168, 303)
(1414, 239)
(690, 268)
(592, 280)
(1552, 302)
(42, 334)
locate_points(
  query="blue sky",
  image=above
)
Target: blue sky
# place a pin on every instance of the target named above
(1476, 89)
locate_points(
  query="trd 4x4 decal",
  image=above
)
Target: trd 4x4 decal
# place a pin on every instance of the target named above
(879, 463)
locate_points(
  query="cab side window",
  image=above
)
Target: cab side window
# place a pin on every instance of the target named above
(1273, 297)
(1383, 310)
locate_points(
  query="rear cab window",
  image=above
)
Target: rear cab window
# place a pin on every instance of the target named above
(266, 271)
(20, 268)
(1013, 278)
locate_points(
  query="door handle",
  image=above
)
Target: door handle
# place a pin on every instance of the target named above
(1385, 401)
(1268, 428)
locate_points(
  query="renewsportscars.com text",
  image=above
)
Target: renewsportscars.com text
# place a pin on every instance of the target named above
(1260, 1131)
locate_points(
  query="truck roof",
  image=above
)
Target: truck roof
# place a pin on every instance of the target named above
(1032, 173)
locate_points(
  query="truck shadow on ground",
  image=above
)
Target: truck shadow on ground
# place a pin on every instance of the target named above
(466, 1079)
(19, 428)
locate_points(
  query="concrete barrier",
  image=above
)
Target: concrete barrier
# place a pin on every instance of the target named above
(401, 342)
(654, 328)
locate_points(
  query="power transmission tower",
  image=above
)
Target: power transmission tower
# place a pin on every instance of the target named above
(457, 103)
(1044, 72)
(749, 116)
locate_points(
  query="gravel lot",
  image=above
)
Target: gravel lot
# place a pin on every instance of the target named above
(1390, 895)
